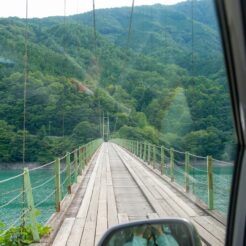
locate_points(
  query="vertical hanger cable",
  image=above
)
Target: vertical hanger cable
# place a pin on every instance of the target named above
(130, 24)
(25, 86)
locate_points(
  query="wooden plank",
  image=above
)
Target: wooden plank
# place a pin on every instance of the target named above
(132, 212)
(101, 225)
(88, 237)
(169, 206)
(86, 201)
(182, 209)
(99, 209)
(157, 207)
(121, 190)
(131, 198)
(164, 202)
(133, 204)
(185, 211)
(112, 209)
(77, 230)
(111, 203)
(56, 219)
(123, 218)
(153, 216)
(152, 187)
(204, 233)
(141, 208)
(207, 223)
(218, 224)
(164, 190)
(64, 232)
(206, 236)
(169, 209)
(109, 175)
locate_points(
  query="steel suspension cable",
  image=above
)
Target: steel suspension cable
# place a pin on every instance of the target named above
(64, 52)
(25, 86)
(24, 113)
(130, 24)
(192, 55)
(65, 11)
(192, 41)
(94, 24)
(165, 35)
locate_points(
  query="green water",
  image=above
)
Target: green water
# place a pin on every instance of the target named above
(43, 184)
(198, 184)
(9, 214)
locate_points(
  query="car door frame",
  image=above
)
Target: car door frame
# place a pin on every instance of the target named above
(232, 21)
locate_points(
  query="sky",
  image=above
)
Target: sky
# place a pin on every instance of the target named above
(43, 8)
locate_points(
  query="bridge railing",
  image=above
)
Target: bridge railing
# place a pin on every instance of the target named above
(32, 196)
(208, 179)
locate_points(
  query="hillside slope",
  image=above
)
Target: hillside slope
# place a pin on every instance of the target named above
(165, 32)
(147, 89)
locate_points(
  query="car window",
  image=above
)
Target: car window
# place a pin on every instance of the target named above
(153, 72)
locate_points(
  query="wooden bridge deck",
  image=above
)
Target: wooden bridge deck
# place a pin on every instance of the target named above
(118, 188)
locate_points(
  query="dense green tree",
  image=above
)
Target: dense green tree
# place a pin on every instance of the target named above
(205, 142)
(6, 138)
(152, 90)
(85, 132)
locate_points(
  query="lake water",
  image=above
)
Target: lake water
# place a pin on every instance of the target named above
(198, 184)
(43, 190)
(43, 184)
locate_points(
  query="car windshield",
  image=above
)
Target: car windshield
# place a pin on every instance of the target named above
(146, 75)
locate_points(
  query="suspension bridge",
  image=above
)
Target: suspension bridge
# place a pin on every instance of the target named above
(102, 184)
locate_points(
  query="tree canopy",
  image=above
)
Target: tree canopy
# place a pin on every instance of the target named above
(151, 90)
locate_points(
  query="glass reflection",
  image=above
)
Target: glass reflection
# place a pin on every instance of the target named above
(151, 235)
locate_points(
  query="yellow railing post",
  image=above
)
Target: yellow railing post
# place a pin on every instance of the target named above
(75, 165)
(162, 160)
(136, 144)
(57, 185)
(84, 156)
(154, 156)
(128, 145)
(187, 171)
(30, 205)
(137, 148)
(210, 183)
(68, 173)
(149, 152)
(140, 150)
(172, 164)
(144, 153)
(81, 160)
(86, 152)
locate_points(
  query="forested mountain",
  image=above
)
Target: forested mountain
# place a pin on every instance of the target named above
(165, 32)
(153, 88)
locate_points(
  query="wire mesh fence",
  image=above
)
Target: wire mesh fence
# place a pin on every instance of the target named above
(12, 199)
(43, 190)
(206, 178)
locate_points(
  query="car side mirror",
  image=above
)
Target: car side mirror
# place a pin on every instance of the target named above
(168, 232)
